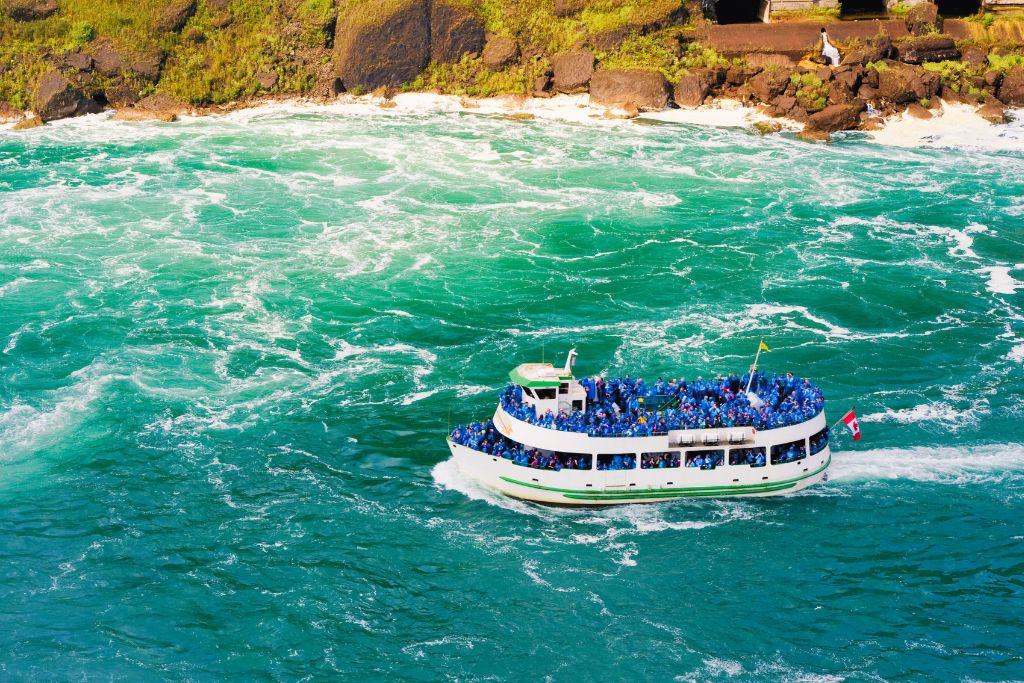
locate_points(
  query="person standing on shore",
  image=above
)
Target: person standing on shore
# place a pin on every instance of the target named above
(828, 50)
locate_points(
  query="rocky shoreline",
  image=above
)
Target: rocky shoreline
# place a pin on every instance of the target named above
(661, 59)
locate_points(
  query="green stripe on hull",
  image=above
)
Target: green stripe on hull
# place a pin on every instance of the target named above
(691, 492)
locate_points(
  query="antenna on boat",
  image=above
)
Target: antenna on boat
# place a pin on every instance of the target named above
(570, 361)
(754, 399)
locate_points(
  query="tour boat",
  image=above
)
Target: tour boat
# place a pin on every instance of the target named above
(558, 440)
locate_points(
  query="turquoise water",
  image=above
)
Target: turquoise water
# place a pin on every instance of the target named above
(230, 349)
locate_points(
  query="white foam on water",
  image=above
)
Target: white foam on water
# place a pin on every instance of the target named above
(13, 285)
(1016, 354)
(999, 279)
(956, 125)
(26, 429)
(934, 412)
(946, 464)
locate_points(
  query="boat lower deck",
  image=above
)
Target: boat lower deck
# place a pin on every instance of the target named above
(596, 487)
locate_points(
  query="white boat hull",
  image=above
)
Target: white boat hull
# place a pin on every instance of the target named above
(603, 487)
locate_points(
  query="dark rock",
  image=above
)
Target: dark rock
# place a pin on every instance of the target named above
(923, 18)
(121, 95)
(651, 16)
(901, 83)
(768, 84)
(927, 49)
(738, 75)
(870, 78)
(840, 93)
(573, 71)
(767, 60)
(993, 112)
(1011, 91)
(693, 87)
(77, 60)
(136, 114)
(454, 31)
(813, 135)
(836, 117)
(267, 79)
(767, 127)
(542, 86)
(30, 10)
(874, 50)
(383, 46)
(567, 8)
(175, 16)
(161, 102)
(55, 98)
(974, 57)
(992, 78)
(148, 66)
(500, 52)
(916, 111)
(608, 40)
(783, 105)
(647, 90)
(28, 123)
(107, 60)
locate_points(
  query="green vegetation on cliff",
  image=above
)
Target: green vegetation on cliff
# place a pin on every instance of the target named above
(208, 51)
(222, 54)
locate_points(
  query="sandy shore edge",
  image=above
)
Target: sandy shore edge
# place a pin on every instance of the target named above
(952, 125)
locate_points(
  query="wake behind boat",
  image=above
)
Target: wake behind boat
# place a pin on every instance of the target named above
(591, 441)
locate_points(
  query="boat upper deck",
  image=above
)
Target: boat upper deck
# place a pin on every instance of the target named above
(628, 406)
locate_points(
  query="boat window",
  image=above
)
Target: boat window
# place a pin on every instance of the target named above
(529, 392)
(747, 456)
(546, 460)
(625, 461)
(789, 452)
(653, 461)
(546, 393)
(563, 388)
(819, 441)
(705, 460)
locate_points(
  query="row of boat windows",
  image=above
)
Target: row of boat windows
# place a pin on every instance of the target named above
(707, 459)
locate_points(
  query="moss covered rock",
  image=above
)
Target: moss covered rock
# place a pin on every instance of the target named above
(454, 31)
(55, 98)
(382, 42)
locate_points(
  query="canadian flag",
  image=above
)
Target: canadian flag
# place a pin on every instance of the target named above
(850, 420)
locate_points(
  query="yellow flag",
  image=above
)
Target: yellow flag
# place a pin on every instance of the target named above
(764, 347)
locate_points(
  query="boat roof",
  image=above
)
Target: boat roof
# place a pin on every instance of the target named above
(538, 375)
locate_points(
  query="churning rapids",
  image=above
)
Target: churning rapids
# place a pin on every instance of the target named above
(230, 347)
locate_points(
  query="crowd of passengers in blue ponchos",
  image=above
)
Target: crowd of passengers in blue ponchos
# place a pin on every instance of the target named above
(630, 407)
(484, 437)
